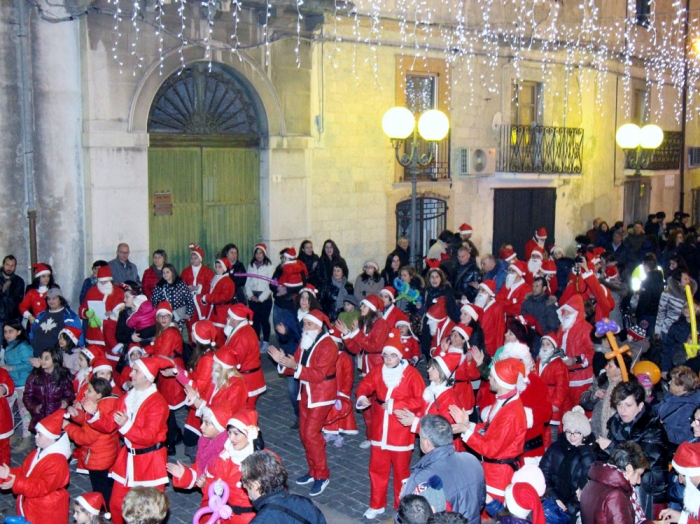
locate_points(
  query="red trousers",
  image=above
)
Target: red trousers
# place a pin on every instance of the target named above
(119, 491)
(310, 425)
(380, 463)
(367, 417)
(251, 402)
(5, 451)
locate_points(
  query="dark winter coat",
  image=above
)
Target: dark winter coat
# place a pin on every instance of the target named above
(477, 338)
(650, 294)
(544, 309)
(564, 266)
(674, 351)
(10, 300)
(675, 413)
(626, 260)
(238, 267)
(271, 508)
(499, 273)
(689, 253)
(43, 394)
(606, 499)
(309, 261)
(331, 296)
(324, 270)
(462, 276)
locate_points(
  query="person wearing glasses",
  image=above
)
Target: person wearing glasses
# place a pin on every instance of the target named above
(566, 462)
(122, 268)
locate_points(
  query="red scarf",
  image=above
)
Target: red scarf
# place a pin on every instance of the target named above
(208, 450)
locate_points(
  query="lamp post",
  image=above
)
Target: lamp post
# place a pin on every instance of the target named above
(646, 139)
(398, 124)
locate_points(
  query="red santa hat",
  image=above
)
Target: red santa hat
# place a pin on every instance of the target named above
(448, 362)
(101, 364)
(135, 348)
(94, 503)
(261, 246)
(196, 250)
(521, 499)
(507, 254)
(204, 332)
(224, 262)
(553, 338)
(611, 272)
(104, 274)
(388, 290)
(164, 308)
(374, 303)
(537, 250)
(541, 233)
(686, 461)
(438, 310)
(463, 330)
(218, 415)
(92, 352)
(432, 263)
(465, 229)
(293, 272)
(52, 426)
(318, 317)
(489, 286)
(73, 333)
(335, 335)
(507, 371)
(246, 421)
(226, 358)
(549, 267)
(150, 366)
(393, 343)
(41, 269)
(531, 474)
(520, 267)
(593, 257)
(402, 320)
(290, 253)
(472, 310)
(309, 288)
(240, 312)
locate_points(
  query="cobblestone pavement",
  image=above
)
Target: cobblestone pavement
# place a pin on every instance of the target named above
(344, 500)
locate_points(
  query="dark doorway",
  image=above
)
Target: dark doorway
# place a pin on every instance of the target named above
(431, 221)
(637, 197)
(518, 213)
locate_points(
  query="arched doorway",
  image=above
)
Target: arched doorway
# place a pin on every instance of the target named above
(205, 126)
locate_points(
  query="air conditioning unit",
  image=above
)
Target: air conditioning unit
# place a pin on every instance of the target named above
(475, 161)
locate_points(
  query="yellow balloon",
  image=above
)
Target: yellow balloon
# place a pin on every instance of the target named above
(647, 367)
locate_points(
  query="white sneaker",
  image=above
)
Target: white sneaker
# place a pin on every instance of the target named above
(373, 513)
(364, 445)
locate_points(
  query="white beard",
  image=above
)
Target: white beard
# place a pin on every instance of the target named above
(135, 398)
(510, 280)
(480, 300)
(308, 338)
(691, 497)
(105, 288)
(392, 376)
(82, 374)
(433, 391)
(433, 325)
(545, 354)
(534, 265)
(215, 377)
(567, 322)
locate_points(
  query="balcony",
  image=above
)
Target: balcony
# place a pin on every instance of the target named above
(540, 149)
(438, 169)
(667, 157)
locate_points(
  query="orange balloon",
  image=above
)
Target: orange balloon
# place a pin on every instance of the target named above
(647, 367)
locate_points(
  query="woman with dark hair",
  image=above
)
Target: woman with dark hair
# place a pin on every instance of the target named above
(391, 269)
(172, 289)
(258, 293)
(603, 235)
(136, 323)
(369, 282)
(308, 257)
(33, 302)
(154, 274)
(332, 295)
(597, 398)
(634, 421)
(48, 388)
(329, 258)
(230, 252)
(609, 497)
(675, 239)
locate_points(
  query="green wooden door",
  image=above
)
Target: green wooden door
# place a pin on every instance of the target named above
(215, 196)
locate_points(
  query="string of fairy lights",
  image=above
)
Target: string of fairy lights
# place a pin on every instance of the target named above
(476, 39)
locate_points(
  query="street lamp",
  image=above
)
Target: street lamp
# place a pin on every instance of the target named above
(648, 138)
(398, 124)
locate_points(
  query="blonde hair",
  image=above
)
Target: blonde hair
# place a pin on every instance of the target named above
(144, 505)
(225, 375)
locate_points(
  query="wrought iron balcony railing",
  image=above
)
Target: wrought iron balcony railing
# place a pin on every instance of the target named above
(439, 168)
(540, 149)
(666, 157)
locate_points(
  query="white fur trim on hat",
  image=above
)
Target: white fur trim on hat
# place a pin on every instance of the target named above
(469, 310)
(513, 506)
(464, 334)
(368, 304)
(250, 431)
(206, 412)
(441, 362)
(86, 506)
(314, 319)
(41, 429)
(500, 382)
(144, 369)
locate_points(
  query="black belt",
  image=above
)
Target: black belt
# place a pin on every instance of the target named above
(533, 443)
(329, 377)
(250, 371)
(380, 402)
(143, 451)
(240, 510)
(512, 462)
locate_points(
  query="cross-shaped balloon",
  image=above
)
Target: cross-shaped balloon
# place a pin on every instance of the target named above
(608, 328)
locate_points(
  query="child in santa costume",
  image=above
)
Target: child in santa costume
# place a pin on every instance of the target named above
(409, 341)
(493, 320)
(575, 336)
(243, 342)
(34, 301)
(439, 324)
(553, 372)
(294, 272)
(82, 377)
(213, 301)
(90, 508)
(523, 502)
(467, 371)
(500, 438)
(135, 352)
(99, 302)
(341, 418)
(386, 389)
(686, 462)
(40, 482)
(198, 278)
(7, 426)
(242, 431)
(391, 313)
(141, 418)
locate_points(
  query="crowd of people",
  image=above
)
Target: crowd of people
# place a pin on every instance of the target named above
(559, 388)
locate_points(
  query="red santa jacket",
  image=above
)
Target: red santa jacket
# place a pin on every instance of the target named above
(343, 420)
(234, 395)
(530, 246)
(433, 405)
(538, 411)
(95, 335)
(493, 323)
(512, 299)
(316, 372)
(411, 349)
(444, 328)
(246, 347)
(213, 303)
(392, 315)
(7, 426)
(369, 346)
(556, 375)
(40, 484)
(33, 303)
(200, 381)
(576, 343)
(203, 281)
(97, 450)
(146, 428)
(386, 431)
(464, 375)
(588, 287)
(169, 344)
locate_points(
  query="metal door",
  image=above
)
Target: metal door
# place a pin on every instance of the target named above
(637, 196)
(431, 216)
(518, 213)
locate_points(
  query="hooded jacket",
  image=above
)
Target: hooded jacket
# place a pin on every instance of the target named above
(606, 499)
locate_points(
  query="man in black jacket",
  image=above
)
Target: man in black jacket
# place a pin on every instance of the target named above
(649, 294)
(465, 277)
(11, 291)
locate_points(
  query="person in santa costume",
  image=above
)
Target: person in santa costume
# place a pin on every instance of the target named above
(439, 324)
(513, 293)
(534, 265)
(391, 313)
(213, 301)
(294, 272)
(245, 345)
(469, 315)
(523, 502)
(555, 374)
(575, 336)
(386, 389)
(533, 393)
(501, 437)
(99, 302)
(90, 508)
(7, 425)
(465, 232)
(549, 271)
(141, 418)
(467, 372)
(686, 462)
(366, 339)
(493, 320)
(86, 356)
(40, 482)
(583, 281)
(409, 341)
(341, 417)
(314, 364)
(198, 279)
(34, 301)
(536, 242)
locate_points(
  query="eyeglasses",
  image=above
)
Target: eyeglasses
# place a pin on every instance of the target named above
(569, 433)
(693, 420)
